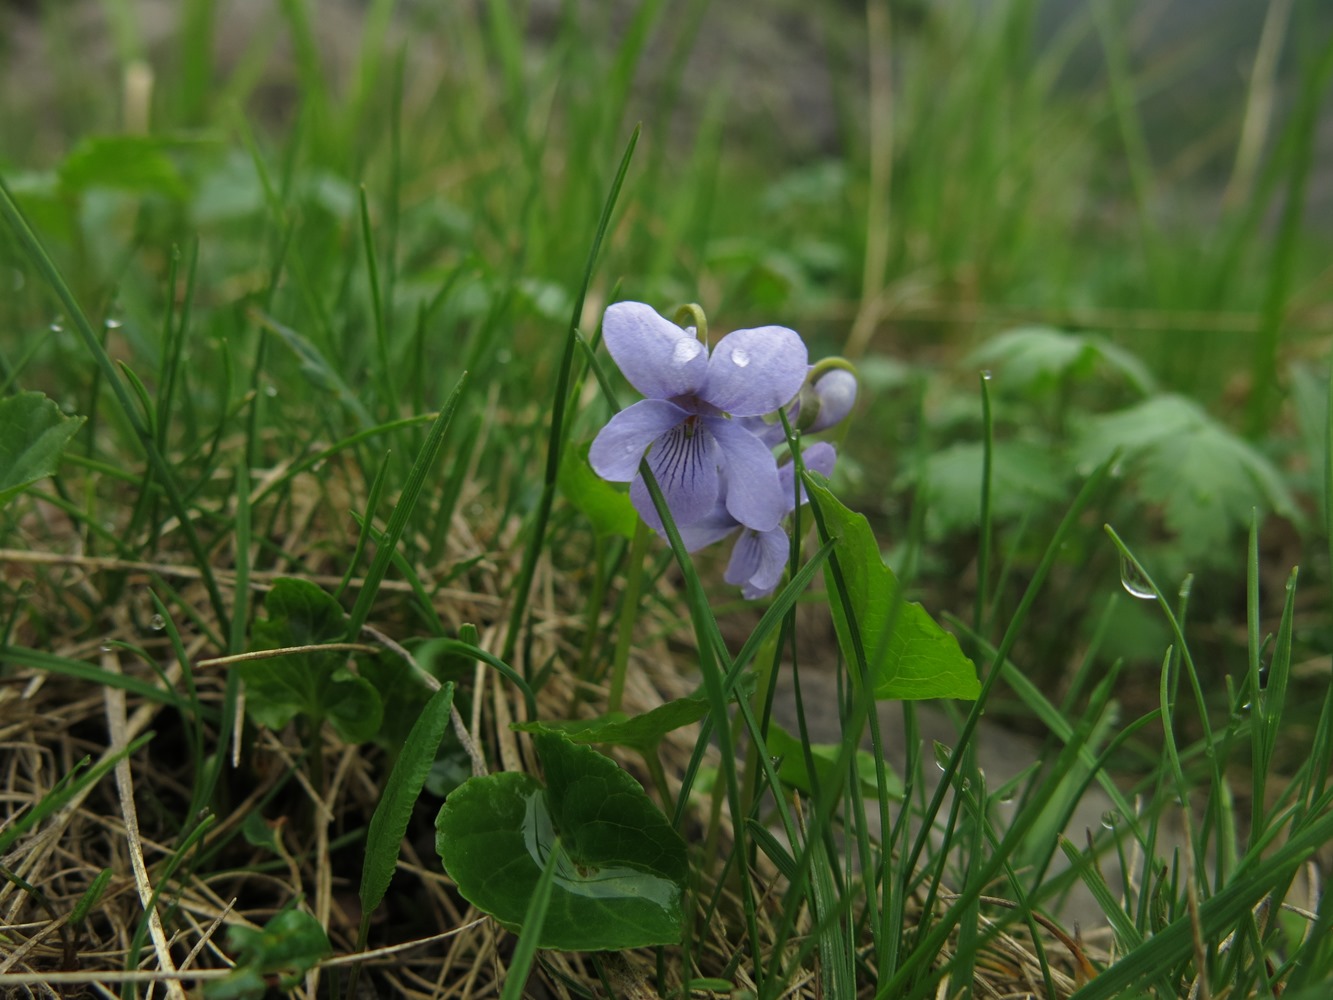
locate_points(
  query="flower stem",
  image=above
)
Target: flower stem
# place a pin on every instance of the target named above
(633, 587)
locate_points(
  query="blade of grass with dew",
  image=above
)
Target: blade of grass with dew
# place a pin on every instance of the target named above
(1218, 916)
(556, 443)
(42, 261)
(402, 511)
(906, 971)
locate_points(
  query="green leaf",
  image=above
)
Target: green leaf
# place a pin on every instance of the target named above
(608, 508)
(622, 876)
(1039, 358)
(288, 946)
(793, 770)
(402, 693)
(1022, 474)
(314, 684)
(917, 659)
(640, 732)
(127, 162)
(389, 823)
(1205, 479)
(33, 436)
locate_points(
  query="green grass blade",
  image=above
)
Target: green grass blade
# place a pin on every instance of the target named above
(65, 790)
(556, 443)
(534, 918)
(93, 344)
(402, 511)
(401, 790)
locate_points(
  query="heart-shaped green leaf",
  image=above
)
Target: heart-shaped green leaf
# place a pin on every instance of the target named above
(315, 684)
(622, 876)
(917, 658)
(33, 435)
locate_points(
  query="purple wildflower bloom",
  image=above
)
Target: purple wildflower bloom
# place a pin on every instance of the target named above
(759, 557)
(684, 424)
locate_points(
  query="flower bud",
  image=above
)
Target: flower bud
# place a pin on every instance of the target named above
(828, 397)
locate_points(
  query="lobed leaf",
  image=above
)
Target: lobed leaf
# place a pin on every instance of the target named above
(314, 684)
(33, 436)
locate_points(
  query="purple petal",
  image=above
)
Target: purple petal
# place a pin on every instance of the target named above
(618, 447)
(771, 434)
(753, 372)
(836, 390)
(659, 358)
(819, 458)
(684, 462)
(757, 562)
(713, 527)
(754, 496)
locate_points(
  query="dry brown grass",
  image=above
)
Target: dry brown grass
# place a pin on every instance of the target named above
(160, 922)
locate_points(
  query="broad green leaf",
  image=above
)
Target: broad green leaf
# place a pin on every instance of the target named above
(1022, 474)
(314, 684)
(33, 436)
(1039, 358)
(608, 508)
(402, 693)
(288, 946)
(1205, 479)
(793, 770)
(620, 880)
(127, 162)
(389, 823)
(917, 659)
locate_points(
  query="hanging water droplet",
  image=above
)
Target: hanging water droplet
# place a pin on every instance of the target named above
(106, 646)
(111, 323)
(685, 351)
(1134, 581)
(1006, 798)
(943, 755)
(270, 391)
(57, 326)
(1110, 819)
(740, 358)
(986, 374)
(157, 623)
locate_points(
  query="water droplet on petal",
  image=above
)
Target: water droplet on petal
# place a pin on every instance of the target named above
(740, 358)
(157, 623)
(1135, 582)
(685, 351)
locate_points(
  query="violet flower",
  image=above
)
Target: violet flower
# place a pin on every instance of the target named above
(759, 558)
(683, 425)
